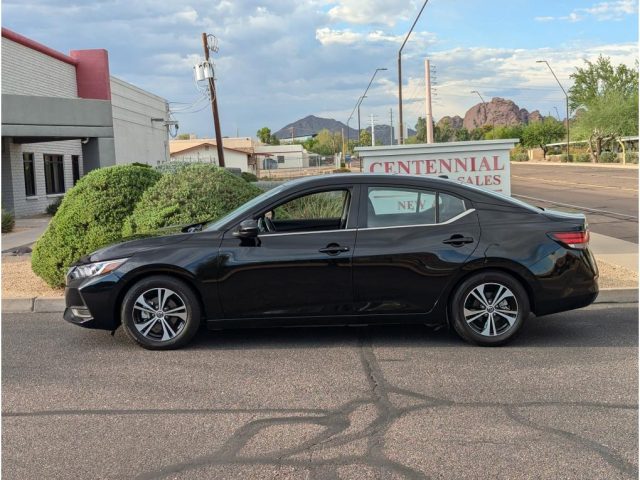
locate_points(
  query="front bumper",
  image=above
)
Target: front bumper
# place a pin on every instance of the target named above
(91, 302)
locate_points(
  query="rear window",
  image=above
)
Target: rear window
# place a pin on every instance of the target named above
(503, 197)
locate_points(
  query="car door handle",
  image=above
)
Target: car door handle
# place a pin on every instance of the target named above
(333, 249)
(458, 240)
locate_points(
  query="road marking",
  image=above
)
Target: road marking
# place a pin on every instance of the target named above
(578, 207)
(589, 185)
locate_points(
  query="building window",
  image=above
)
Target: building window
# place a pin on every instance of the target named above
(54, 174)
(29, 174)
(280, 158)
(75, 166)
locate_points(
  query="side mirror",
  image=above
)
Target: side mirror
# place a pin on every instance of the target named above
(247, 229)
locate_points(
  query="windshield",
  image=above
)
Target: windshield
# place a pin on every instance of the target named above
(238, 212)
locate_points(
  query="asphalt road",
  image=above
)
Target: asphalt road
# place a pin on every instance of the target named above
(611, 191)
(354, 403)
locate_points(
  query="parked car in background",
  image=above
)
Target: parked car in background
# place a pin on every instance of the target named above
(344, 249)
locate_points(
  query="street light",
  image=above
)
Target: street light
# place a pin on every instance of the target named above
(566, 97)
(364, 95)
(401, 140)
(484, 104)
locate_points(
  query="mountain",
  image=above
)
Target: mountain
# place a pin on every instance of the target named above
(310, 125)
(498, 111)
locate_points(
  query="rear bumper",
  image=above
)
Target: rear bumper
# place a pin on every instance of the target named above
(572, 283)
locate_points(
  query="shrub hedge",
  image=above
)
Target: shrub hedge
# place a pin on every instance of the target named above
(8, 221)
(194, 193)
(90, 216)
(249, 177)
(53, 207)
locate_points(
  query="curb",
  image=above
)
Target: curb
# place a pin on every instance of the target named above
(626, 295)
(630, 166)
(33, 305)
(57, 305)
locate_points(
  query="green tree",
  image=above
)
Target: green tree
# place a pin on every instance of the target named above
(608, 117)
(421, 130)
(463, 135)
(444, 132)
(184, 136)
(505, 131)
(266, 137)
(365, 138)
(327, 143)
(600, 78)
(608, 100)
(539, 134)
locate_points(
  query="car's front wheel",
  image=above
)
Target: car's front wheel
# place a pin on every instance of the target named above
(160, 313)
(489, 308)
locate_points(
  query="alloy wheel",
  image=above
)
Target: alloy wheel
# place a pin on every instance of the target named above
(159, 314)
(490, 309)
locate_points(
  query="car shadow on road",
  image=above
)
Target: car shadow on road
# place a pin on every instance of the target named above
(615, 326)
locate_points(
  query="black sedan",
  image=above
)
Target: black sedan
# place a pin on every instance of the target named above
(344, 249)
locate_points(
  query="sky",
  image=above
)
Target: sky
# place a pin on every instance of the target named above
(281, 60)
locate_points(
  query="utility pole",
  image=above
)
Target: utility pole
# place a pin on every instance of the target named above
(214, 104)
(293, 129)
(391, 126)
(429, 116)
(373, 132)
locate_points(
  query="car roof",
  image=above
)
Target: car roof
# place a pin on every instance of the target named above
(471, 192)
(391, 179)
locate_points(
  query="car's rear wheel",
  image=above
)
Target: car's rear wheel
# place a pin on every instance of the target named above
(489, 308)
(160, 313)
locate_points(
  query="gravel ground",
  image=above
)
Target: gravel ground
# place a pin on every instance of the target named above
(19, 281)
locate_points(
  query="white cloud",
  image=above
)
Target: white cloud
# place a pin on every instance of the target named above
(615, 10)
(328, 36)
(377, 12)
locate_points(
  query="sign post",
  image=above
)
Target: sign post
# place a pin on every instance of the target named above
(483, 163)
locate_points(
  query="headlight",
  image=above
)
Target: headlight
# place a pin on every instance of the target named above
(94, 269)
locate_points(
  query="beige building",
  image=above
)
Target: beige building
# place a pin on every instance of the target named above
(204, 150)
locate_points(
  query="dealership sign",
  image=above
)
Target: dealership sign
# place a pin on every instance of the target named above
(482, 163)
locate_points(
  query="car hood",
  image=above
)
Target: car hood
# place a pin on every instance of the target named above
(130, 246)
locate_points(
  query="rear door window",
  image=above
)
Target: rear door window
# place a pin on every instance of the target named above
(391, 206)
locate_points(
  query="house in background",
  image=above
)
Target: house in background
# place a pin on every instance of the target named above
(271, 157)
(64, 115)
(204, 150)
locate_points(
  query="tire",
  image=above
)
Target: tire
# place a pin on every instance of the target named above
(166, 328)
(477, 320)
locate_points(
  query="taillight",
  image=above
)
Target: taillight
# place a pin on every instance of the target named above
(571, 239)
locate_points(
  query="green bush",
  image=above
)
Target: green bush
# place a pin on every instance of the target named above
(563, 158)
(249, 177)
(342, 170)
(583, 157)
(175, 166)
(195, 193)
(608, 157)
(519, 154)
(8, 221)
(52, 208)
(90, 216)
(632, 157)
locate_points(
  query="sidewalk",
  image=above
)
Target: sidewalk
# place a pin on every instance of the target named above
(614, 251)
(631, 166)
(26, 232)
